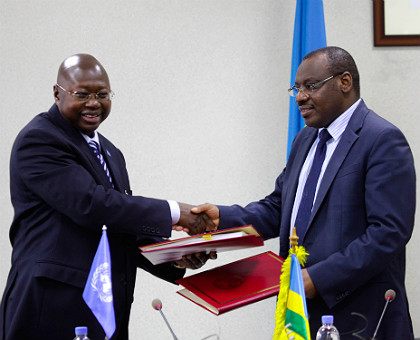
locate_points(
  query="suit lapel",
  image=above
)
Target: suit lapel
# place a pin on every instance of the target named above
(349, 137)
(296, 160)
(98, 169)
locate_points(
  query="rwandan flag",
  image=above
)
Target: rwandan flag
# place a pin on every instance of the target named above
(296, 312)
(309, 35)
(291, 313)
(98, 289)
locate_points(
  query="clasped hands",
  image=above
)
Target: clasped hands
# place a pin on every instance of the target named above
(197, 220)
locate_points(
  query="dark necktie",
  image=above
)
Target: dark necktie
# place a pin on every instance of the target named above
(305, 207)
(95, 147)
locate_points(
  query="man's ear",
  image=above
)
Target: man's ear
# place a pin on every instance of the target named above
(346, 82)
(56, 94)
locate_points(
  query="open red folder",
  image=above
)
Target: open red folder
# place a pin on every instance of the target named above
(221, 240)
(235, 284)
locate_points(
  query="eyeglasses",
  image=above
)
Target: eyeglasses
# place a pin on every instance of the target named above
(82, 96)
(293, 91)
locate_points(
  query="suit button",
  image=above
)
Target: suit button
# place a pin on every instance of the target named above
(342, 295)
(123, 281)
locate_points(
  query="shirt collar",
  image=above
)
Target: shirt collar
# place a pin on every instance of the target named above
(94, 138)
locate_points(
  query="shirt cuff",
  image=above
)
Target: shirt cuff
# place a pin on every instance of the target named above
(175, 211)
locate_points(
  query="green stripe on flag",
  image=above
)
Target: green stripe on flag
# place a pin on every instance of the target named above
(298, 324)
(295, 314)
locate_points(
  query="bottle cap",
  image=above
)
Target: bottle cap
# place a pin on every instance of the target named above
(327, 319)
(80, 330)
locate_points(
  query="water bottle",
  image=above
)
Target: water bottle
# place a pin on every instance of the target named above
(327, 331)
(81, 333)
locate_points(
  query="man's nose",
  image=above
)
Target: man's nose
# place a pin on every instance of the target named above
(301, 95)
(92, 101)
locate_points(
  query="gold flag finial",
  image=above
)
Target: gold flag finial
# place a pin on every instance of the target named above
(294, 240)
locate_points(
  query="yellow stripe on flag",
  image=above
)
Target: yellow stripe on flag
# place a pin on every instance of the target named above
(295, 304)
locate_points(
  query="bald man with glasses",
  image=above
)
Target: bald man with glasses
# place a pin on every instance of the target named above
(67, 181)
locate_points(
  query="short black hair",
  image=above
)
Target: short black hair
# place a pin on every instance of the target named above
(339, 61)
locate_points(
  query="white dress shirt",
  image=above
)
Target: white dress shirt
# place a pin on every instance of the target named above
(335, 129)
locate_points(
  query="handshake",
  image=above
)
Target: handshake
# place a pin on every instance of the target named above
(197, 219)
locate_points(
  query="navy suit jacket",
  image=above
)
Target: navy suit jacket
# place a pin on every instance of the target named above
(62, 196)
(362, 218)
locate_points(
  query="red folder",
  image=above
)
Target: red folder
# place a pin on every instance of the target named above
(235, 284)
(221, 240)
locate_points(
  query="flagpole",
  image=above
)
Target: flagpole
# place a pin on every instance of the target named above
(294, 240)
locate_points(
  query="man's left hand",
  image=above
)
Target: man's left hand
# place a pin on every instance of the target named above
(310, 290)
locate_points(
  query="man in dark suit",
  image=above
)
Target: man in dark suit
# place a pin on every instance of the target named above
(362, 214)
(62, 196)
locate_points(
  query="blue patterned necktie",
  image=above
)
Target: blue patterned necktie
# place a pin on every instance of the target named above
(305, 207)
(95, 147)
